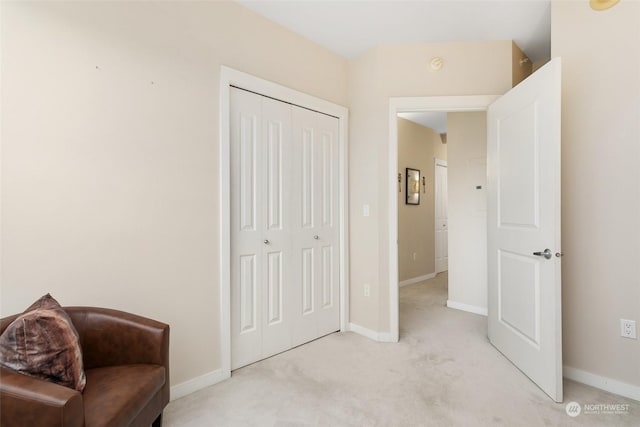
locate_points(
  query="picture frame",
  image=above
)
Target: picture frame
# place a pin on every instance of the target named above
(412, 186)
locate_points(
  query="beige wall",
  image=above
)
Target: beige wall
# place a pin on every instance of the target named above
(417, 147)
(364, 182)
(440, 152)
(467, 169)
(110, 153)
(470, 68)
(600, 184)
(519, 71)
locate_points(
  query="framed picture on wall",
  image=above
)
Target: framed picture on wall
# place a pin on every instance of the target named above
(413, 187)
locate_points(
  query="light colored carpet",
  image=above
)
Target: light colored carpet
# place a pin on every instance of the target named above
(443, 372)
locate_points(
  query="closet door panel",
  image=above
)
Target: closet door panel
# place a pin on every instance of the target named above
(246, 228)
(327, 230)
(304, 151)
(276, 241)
(315, 138)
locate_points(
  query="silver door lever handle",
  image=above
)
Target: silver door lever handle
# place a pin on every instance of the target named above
(266, 241)
(546, 254)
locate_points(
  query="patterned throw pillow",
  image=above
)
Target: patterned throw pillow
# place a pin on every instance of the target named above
(43, 343)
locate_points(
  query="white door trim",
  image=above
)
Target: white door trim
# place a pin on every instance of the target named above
(412, 104)
(228, 77)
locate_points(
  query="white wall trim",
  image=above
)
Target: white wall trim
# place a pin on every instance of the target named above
(402, 105)
(228, 77)
(198, 383)
(417, 279)
(372, 335)
(603, 383)
(467, 307)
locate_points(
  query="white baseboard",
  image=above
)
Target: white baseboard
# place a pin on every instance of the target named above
(198, 383)
(603, 383)
(372, 335)
(417, 279)
(466, 307)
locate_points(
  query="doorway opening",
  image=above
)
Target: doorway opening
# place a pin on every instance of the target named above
(446, 147)
(447, 104)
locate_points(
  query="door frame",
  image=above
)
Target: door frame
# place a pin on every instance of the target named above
(442, 163)
(405, 105)
(231, 77)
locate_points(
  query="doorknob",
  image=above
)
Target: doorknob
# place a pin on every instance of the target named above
(316, 237)
(546, 254)
(266, 241)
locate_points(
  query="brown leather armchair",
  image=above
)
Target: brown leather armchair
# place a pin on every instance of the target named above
(126, 361)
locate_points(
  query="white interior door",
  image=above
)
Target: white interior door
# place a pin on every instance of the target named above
(441, 216)
(284, 226)
(523, 155)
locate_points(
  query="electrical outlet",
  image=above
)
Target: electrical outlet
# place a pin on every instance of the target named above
(415, 256)
(367, 290)
(628, 328)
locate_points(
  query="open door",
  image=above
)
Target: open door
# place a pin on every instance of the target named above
(523, 183)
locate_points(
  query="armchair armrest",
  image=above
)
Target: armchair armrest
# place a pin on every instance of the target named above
(28, 401)
(111, 337)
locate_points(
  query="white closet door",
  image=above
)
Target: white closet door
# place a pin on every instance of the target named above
(315, 225)
(260, 241)
(284, 226)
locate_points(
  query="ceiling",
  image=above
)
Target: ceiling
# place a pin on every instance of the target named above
(432, 119)
(351, 27)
